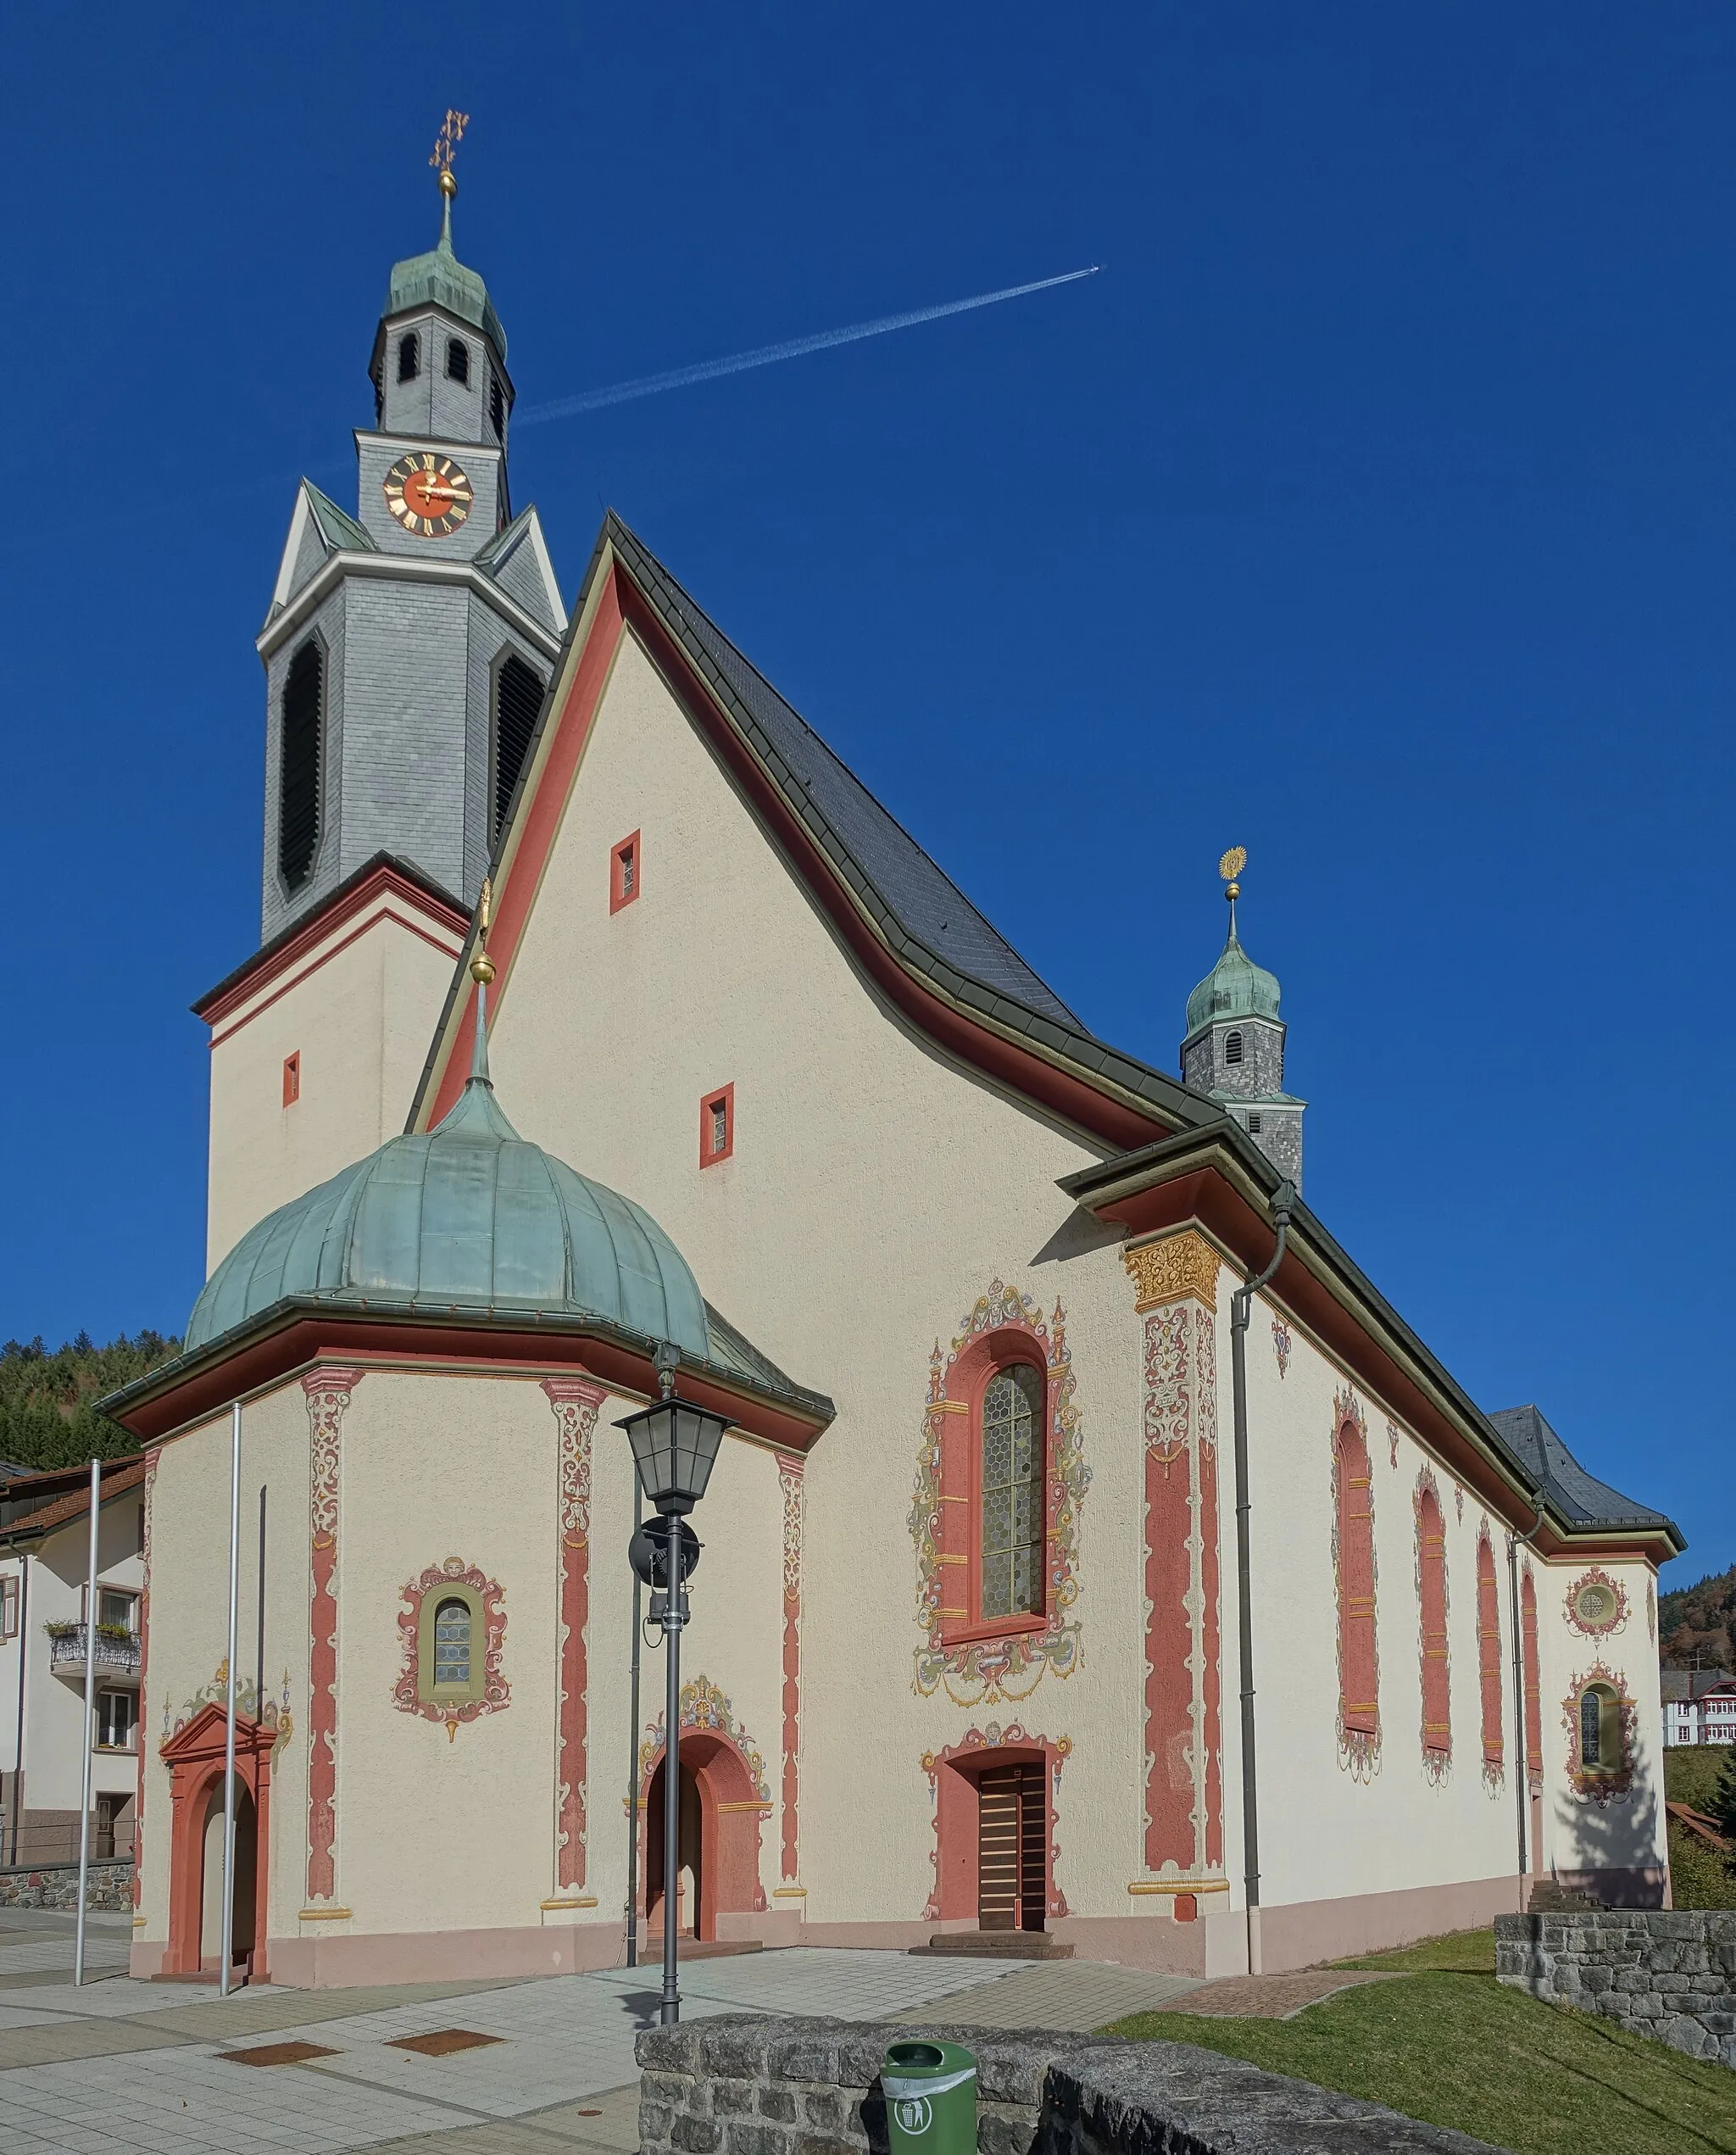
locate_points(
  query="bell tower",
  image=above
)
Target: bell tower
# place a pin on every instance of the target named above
(1234, 1049)
(407, 645)
(406, 650)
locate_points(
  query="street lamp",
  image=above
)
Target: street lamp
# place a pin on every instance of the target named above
(675, 1447)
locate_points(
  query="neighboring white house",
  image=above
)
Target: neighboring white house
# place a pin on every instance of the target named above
(44, 1553)
(1699, 1706)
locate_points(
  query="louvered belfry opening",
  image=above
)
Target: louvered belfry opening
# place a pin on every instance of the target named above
(1012, 1866)
(298, 791)
(518, 698)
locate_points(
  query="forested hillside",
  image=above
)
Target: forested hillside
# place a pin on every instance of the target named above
(1699, 1620)
(46, 1417)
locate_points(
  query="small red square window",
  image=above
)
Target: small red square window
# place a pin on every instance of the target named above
(625, 868)
(292, 1079)
(717, 1126)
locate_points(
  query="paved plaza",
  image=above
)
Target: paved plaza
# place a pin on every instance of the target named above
(120, 2068)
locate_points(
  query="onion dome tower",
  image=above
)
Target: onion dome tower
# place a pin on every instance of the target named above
(1234, 1049)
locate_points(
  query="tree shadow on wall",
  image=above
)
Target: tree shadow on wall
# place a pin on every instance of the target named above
(1612, 1846)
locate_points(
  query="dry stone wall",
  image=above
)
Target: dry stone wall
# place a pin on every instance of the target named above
(1667, 1972)
(744, 2084)
(55, 1885)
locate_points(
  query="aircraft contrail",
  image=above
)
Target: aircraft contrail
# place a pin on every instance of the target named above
(682, 377)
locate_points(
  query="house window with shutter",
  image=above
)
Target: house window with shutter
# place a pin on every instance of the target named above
(302, 715)
(409, 356)
(518, 699)
(8, 1608)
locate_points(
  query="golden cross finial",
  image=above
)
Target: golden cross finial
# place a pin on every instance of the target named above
(481, 964)
(452, 133)
(1229, 867)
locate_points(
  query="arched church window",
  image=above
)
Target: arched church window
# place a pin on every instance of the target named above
(497, 407)
(1359, 1666)
(452, 1644)
(1232, 1047)
(409, 356)
(458, 360)
(1600, 1730)
(518, 698)
(301, 715)
(1489, 1650)
(1011, 1516)
(1437, 1674)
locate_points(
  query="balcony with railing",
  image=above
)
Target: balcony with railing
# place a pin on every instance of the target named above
(118, 1652)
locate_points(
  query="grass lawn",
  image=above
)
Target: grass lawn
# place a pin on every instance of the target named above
(1449, 2045)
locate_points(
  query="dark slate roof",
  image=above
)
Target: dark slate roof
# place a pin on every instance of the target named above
(1679, 1685)
(1581, 1498)
(925, 900)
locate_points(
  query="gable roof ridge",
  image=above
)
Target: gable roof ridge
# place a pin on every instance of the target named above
(973, 943)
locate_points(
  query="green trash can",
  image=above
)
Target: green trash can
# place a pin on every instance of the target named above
(931, 2099)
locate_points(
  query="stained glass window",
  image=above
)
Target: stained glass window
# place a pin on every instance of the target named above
(1591, 1728)
(1012, 1492)
(452, 1643)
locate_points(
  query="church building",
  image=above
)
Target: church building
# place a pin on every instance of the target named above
(1060, 1592)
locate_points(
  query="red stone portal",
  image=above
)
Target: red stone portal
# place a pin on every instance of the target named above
(195, 1758)
(725, 1840)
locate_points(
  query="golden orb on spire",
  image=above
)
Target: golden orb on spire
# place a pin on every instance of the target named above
(1231, 865)
(452, 133)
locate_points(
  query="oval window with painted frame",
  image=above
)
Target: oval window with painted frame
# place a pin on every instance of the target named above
(428, 494)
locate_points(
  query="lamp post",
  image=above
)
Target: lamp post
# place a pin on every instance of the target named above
(675, 1447)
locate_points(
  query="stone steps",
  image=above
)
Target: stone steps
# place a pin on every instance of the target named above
(995, 1945)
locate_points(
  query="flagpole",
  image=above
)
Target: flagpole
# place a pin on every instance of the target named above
(227, 1946)
(84, 1809)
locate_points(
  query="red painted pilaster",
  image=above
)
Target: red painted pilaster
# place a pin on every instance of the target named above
(576, 1401)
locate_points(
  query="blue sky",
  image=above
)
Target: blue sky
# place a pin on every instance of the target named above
(1371, 509)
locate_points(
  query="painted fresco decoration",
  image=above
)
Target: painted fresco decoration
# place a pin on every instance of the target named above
(704, 1707)
(1458, 1501)
(1392, 1444)
(1651, 1612)
(995, 1737)
(1597, 1605)
(1281, 1346)
(576, 1401)
(1597, 1784)
(275, 1714)
(986, 1671)
(497, 1692)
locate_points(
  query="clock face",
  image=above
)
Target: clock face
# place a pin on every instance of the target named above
(428, 494)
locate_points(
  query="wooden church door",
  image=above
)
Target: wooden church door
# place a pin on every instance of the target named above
(1012, 1868)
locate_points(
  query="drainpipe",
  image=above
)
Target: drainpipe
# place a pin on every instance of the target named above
(1521, 1777)
(1241, 1309)
(23, 1635)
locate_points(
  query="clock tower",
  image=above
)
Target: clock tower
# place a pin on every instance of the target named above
(407, 649)
(407, 645)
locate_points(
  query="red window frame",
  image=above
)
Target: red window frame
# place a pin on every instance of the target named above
(1534, 1693)
(1437, 1674)
(961, 1481)
(1359, 1659)
(1488, 1650)
(292, 1079)
(627, 855)
(723, 1096)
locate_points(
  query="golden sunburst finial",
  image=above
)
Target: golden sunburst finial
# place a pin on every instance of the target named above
(452, 133)
(1232, 864)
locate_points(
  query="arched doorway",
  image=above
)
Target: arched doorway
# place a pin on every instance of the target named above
(247, 1844)
(723, 1812)
(194, 1756)
(690, 1891)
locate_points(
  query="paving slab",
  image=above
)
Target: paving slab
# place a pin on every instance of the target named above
(1277, 1997)
(1078, 1996)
